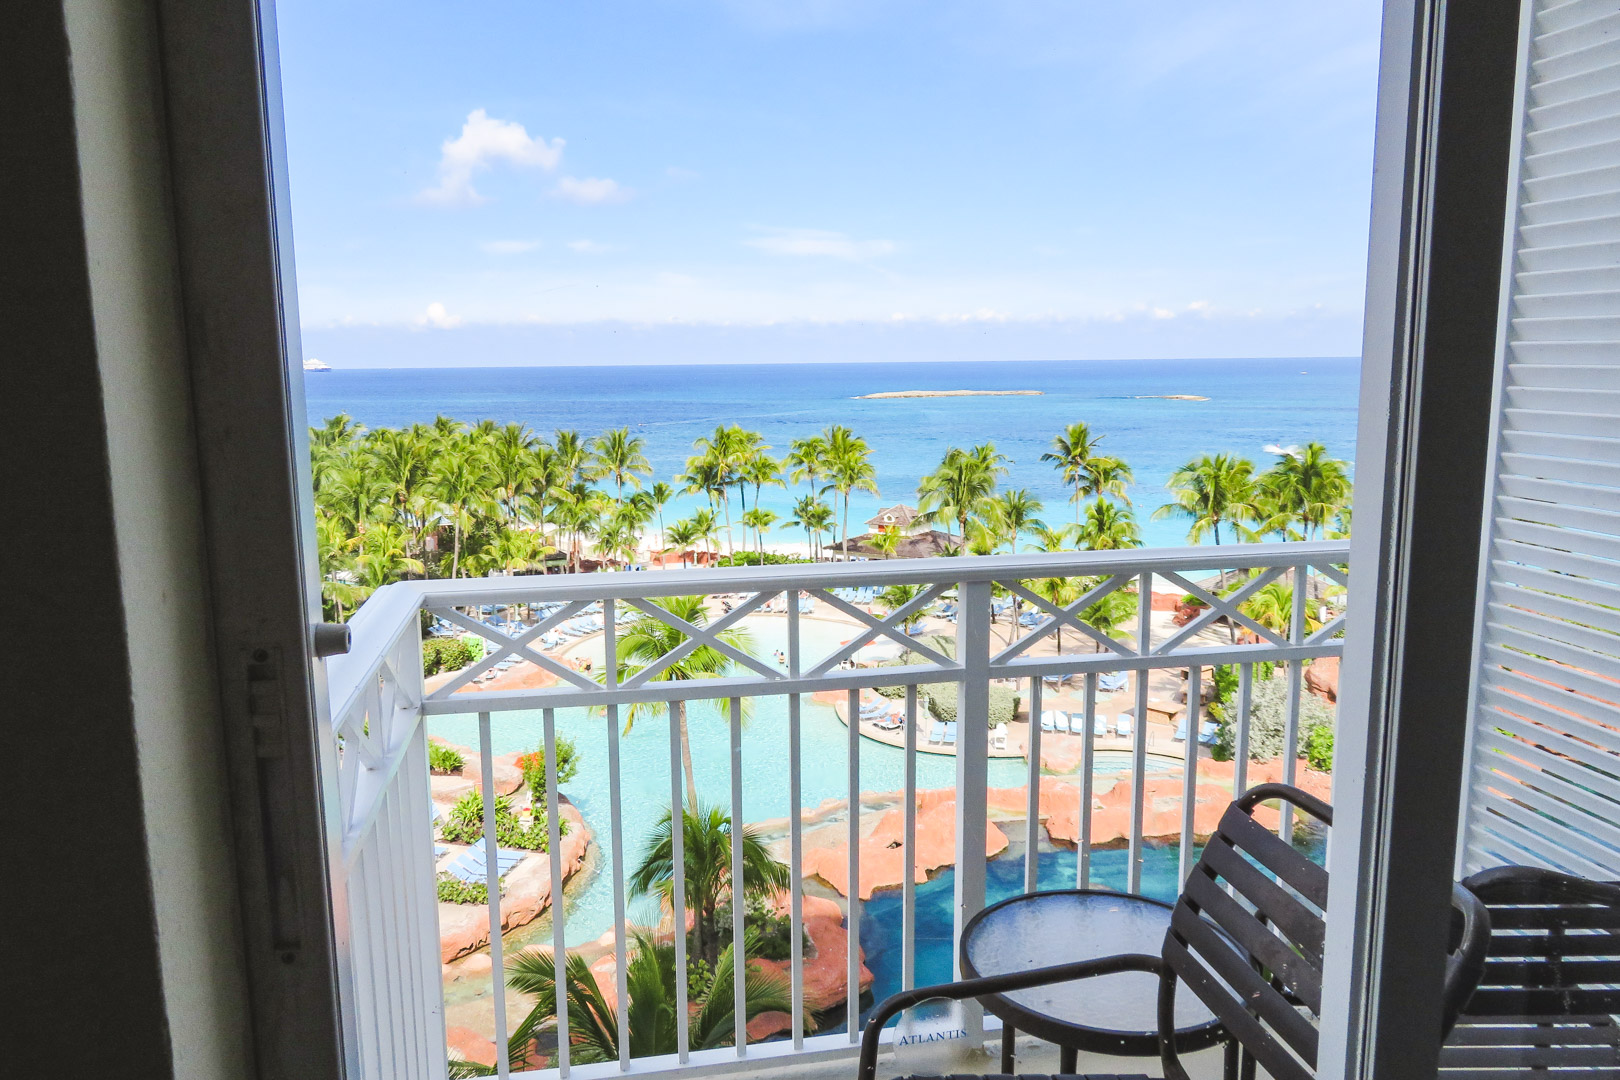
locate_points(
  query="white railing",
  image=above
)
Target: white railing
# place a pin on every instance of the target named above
(378, 702)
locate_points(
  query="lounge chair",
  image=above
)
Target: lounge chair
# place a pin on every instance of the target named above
(998, 737)
(1099, 724)
(1546, 1005)
(1077, 724)
(1125, 725)
(936, 731)
(1181, 730)
(1207, 732)
(1048, 720)
(1110, 681)
(950, 732)
(1268, 994)
(470, 866)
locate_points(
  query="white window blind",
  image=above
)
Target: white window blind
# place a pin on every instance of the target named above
(1543, 780)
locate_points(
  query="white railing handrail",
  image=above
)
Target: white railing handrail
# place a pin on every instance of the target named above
(373, 631)
(542, 588)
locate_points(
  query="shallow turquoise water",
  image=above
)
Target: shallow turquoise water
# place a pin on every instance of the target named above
(644, 773)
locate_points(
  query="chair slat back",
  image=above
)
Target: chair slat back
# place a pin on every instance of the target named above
(1247, 934)
(1547, 1000)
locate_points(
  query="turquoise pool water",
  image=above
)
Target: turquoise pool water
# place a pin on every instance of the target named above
(644, 767)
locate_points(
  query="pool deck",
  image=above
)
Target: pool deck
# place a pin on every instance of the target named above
(1060, 753)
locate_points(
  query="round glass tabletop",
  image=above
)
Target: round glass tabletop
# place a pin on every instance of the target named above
(1109, 1013)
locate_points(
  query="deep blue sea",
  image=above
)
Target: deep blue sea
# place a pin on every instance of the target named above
(1252, 404)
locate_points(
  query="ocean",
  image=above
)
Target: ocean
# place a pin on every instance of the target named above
(1251, 404)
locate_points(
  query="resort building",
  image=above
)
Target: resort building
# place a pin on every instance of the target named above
(900, 519)
(227, 812)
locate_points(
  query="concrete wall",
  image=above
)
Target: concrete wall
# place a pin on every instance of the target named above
(128, 960)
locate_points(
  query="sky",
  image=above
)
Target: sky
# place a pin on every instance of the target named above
(486, 182)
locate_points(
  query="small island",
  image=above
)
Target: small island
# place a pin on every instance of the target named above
(949, 393)
(1171, 397)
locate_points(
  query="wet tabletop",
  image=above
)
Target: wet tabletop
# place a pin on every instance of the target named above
(1044, 929)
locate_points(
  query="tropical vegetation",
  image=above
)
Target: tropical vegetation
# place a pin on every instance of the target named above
(450, 499)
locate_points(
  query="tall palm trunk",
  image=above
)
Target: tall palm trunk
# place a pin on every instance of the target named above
(686, 754)
(846, 526)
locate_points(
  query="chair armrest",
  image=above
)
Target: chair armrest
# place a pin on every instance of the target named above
(994, 984)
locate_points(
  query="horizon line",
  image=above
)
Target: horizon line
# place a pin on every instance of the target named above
(828, 363)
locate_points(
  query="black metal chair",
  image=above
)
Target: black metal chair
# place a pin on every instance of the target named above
(1267, 990)
(1547, 1000)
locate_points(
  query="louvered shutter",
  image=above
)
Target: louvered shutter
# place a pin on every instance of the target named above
(1543, 779)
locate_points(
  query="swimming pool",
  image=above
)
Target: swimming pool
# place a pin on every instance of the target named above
(644, 766)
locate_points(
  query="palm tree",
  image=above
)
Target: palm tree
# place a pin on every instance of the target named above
(719, 458)
(1210, 490)
(1109, 476)
(681, 535)
(1060, 592)
(1108, 527)
(573, 458)
(619, 454)
(510, 453)
(580, 513)
(1071, 455)
(849, 467)
(647, 640)
(660, 494)
(706, 848)
(1272, 606)
(760, 469)
(460, 482)
(706, 530)
(806, 460)
(1014, 513)
(511, 550)
(593, 1024)
(960, 487)
(1307, 487)
(814, 517)
(896, 597)
(706, 475)
(335, 545)
(760, 521)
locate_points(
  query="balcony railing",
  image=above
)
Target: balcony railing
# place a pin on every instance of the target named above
(384, 879)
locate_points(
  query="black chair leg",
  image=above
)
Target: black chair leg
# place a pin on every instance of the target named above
(1068, 1057)
(1007, 1036)
(1231, 1068)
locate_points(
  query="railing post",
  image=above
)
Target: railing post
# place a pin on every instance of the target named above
(972, 771)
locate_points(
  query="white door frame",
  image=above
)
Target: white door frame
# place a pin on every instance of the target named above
(1445, 121)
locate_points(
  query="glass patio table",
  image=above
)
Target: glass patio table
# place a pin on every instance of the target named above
(1109, 1014)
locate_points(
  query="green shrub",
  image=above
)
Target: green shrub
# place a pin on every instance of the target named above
(453, 890)
(893, 692)
(1319, 748)
(941, 698)
(449, 654)
(753, 558)
(444, 759)
(465, 824)
(1268, 720)
(769, 934)
(699, 975)
(534, 769)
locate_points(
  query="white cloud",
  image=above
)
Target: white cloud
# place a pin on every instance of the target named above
(1163, 313)
(591, 190)
(484, 141)
(822, 242)
(508, 247)
(437, 317)
(590, 247)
